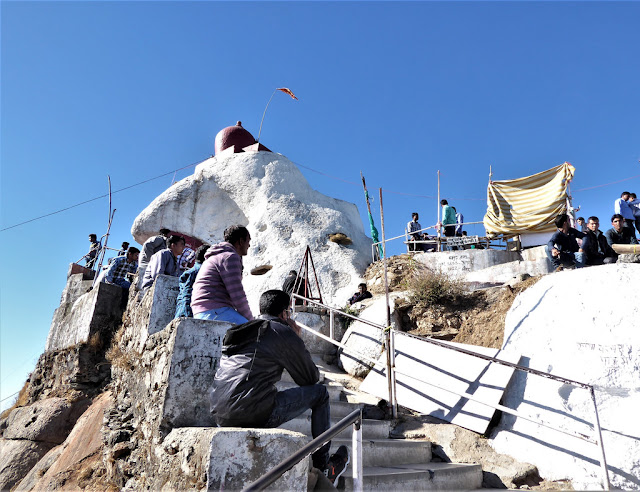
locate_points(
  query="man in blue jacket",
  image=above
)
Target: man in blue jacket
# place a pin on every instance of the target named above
(562, 249)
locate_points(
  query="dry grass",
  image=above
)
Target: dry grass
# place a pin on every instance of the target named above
(428, 288)
(116, 356)
(21, 401)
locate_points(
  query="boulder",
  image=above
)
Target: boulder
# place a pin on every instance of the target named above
(577, 324)
(268, 194)
(18, 457)
(48, 420)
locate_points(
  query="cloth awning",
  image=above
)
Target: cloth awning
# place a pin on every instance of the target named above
(528, 204)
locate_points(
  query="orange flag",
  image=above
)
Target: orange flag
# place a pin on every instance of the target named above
(287, 91)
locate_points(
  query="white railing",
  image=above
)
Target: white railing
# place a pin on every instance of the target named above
(392, 371)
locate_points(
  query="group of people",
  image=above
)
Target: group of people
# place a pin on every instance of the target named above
(451, 225)
(256, 348)
(586, 244)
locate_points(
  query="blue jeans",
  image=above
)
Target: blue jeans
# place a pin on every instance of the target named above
(566, 258)
(222, 314)
(293, 402)
(125, 284)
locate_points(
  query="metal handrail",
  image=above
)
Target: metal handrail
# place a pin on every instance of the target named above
(393, 371)
(276, 472)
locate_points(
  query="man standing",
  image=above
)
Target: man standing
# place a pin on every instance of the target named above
(634, 205)
(150, 247)
(121, 266)
(94, 249)
(622, 207)
(448, 219)
(254, 354)
(562, 248)
(124, 248)
(619, 233)
(218, 293)
(595, 247)
(164, 262)
(459, 222)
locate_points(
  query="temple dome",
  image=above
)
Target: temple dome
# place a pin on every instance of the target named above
(233, 136)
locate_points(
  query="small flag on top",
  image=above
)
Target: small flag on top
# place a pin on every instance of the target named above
(287, 91)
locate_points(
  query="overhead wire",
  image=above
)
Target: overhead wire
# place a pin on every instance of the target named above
(297, 164)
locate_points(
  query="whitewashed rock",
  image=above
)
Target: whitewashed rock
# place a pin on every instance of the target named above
(577, 324)
(266, 193)
(366, 339)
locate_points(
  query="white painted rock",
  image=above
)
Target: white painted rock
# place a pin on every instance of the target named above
(366, 339)
(582, 325)
(267, 193)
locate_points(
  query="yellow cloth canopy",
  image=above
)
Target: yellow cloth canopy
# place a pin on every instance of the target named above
(528, 204)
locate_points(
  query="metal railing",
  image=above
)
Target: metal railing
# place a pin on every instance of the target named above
(392, 372)
(439, 240)
(281, 468)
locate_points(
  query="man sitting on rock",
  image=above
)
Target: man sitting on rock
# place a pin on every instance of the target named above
(164, 262)
(619, 233)
(150, 247)
(562, 249)
(254, 355)
(218, 293)
(595, 247)
(361, 295)
(187, 279)
(121, 267)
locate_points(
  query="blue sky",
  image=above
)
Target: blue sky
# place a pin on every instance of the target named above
(397, 90)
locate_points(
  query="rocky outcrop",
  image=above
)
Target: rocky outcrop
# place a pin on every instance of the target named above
(266, 193)
(580, 325)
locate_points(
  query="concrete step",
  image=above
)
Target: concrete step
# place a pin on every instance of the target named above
(389, 452)
(339, 409)
(335, 390)
(371, 429)
(419, 476)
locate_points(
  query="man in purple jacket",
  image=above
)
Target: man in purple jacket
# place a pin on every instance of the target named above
(217, 292)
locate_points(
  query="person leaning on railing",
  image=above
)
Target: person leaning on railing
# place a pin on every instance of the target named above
(254, 355)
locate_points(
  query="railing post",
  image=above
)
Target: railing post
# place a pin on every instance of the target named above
(332, 320)
(603, 458)
(356, 452)
(392, 351)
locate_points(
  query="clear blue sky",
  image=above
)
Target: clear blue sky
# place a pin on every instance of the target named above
(397, 90)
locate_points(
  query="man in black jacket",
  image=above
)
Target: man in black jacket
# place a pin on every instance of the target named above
(594, 245)
(562, 249)
(254, 355)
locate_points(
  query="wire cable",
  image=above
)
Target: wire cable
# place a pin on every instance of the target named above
(102, 196)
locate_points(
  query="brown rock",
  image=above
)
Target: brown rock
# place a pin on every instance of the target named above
(18, 457)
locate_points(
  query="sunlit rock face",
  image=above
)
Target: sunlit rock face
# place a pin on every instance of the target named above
(265, 192)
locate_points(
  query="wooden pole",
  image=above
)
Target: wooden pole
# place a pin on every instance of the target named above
(390, 369)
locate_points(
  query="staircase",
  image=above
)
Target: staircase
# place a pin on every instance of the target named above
(389, 464)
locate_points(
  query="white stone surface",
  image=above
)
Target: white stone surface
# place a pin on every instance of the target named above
(163, 308)
(447, 369)
(460, 263)
(195, 356)
(365, 339)
(581, 325)
(267, 193)
(241, 456)
(78, 318)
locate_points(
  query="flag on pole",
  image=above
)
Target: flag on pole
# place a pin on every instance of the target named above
(374, 231)
(287, 91)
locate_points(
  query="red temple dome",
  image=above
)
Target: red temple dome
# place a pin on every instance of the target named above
(233, 136)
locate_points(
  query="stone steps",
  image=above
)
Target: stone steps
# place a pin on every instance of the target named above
(419, 476)
(389, 452)
(371, 429)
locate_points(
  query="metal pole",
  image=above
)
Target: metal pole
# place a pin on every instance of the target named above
(394, 409)
(392, 339)
(439, 248)
(356, 451)
(332, 320)
(603, 458)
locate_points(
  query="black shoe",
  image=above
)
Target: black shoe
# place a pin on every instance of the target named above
(337, 464)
